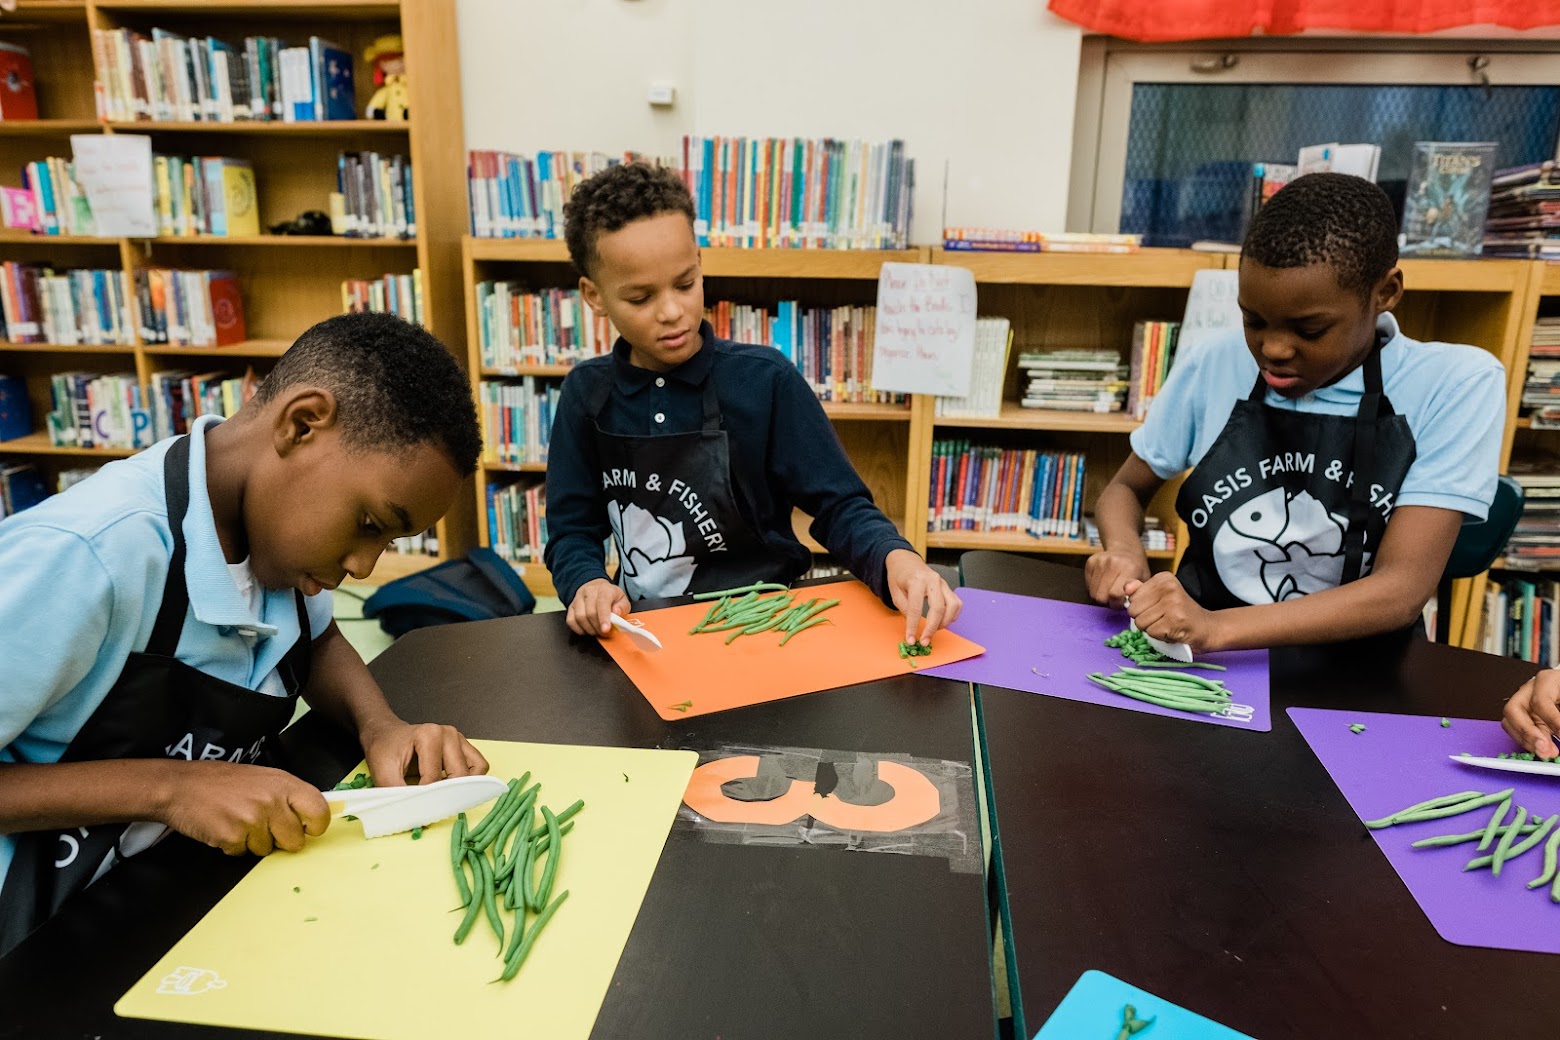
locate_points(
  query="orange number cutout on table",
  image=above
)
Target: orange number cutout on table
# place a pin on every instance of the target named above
(915, 800)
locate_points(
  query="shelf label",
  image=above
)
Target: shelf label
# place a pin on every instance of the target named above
(925, 342)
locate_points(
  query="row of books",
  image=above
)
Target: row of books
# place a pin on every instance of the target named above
(1155, 537)
(166, 77)
(50, 200)
(1524, 213)
(204, 195)
(398, 294)
(517, 419)
(21, 487)
(179, 398)
(798, 193)
(993, 340)
(1535, 543)
(98, 411)
(985, 488)
(1153, 352)
(1544, 350)
(85, 306)
(424, 544)
(375, 196)
(552, 327)
(189, 308)
(517, 521)
(522, 196)
(1074, 380)
(15, 409)
(1522, 619)
(998, 240)
(832, 346)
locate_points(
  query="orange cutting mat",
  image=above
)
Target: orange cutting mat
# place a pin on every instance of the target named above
(699, 674)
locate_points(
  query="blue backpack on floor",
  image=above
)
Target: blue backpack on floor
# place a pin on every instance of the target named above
(478, 588)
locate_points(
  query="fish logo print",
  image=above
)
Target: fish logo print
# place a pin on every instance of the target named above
(1281, 545)
(653, 558)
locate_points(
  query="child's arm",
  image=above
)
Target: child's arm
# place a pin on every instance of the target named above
(1119, 515)
(577, 526)
(341, 686)
(1403, 577)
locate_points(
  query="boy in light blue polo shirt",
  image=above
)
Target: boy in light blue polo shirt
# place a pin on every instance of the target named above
(1333, 459)
(152, 617)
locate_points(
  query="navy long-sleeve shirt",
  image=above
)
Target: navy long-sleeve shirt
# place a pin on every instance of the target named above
(783, 449)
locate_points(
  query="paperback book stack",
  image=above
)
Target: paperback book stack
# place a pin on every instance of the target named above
(1524, 218)
(1074, 380)
(1543, 369)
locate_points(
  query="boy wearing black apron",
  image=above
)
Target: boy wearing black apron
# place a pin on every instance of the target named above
(1333, 459)
(687, 453)
(159, 620)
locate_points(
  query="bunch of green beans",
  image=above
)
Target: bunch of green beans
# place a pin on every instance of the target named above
(1134, 645)
(503, 854)
(747, 612)
(1179, 690)
(1509, 840)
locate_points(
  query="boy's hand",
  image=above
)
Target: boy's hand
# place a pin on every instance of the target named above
(594, 604)
(239, 808)
(1532, 716)
(1165, 610)
(399, 752)
(915, 587)
(1107, 573)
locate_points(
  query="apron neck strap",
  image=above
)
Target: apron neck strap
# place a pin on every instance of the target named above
(164, 641)
(711, 402)
(1373, 406)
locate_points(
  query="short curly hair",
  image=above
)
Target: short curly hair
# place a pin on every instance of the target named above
(615, 197)
(1328, 218)
(396, 386)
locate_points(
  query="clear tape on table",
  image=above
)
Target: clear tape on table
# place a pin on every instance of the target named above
(852, 800)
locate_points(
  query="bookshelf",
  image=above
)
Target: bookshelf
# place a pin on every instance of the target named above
(287, 282)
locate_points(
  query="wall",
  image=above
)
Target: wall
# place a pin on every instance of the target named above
(983, 89)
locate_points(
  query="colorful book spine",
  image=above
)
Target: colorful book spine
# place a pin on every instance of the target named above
(985, 488)
(517, 419)
(517, 521)
(396, 294)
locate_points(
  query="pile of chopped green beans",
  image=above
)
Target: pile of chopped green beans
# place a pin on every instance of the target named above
(747, 612)
(1501, 841)
(503, 854)
(914, 650)
(356, 783)
(1179, 690)
(1131, 1025)
(1134, 646)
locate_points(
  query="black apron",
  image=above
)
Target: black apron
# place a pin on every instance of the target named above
(159, 707)
(672, 500)
(1288, 503)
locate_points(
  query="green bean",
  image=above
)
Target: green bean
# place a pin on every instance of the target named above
(1183, 664)
(563, 817)
(504, 867)
(708, 617)
(482, 843)
(517, 958)
(1178, 676)
(1194, 707)
(752, 630)
(1174, 686)
(1503, 847)
(1551, 851)
(1500, 814)
(475, 906)
(458, 858)
(1443, 802)
(495, 815)
(490, 901)
(540, 844)
(512, 886)
(549, 872)
(1448, 839)
(804, 626)
(1455, 809)
(1528, 842)
(762, 586)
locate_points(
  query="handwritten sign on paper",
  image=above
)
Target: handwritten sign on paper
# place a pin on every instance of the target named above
(925, 342)
(1211, 309)
(116, 174)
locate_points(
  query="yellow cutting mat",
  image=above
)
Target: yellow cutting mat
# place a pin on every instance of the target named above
(364, 947)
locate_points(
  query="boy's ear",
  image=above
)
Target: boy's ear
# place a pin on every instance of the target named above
(1389, 291)
(592, 295)
(302, 414)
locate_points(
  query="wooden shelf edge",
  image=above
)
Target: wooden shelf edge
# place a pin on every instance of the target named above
(1013, 542)
(38, 444)
(307, 128)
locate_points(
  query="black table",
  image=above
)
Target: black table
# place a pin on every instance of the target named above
(1223, 870)
(732, 941)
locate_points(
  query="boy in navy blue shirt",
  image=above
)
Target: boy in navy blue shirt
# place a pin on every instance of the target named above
(159, 620)
(689, 452)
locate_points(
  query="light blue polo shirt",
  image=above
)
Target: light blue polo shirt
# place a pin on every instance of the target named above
(83, 575)
(1453, 396)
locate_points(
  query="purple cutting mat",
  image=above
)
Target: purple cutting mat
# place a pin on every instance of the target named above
(1402, 759)
(1046, 646)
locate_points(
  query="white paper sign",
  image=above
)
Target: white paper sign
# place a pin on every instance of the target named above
(116, 174)
(925, 341)
(1211, 309)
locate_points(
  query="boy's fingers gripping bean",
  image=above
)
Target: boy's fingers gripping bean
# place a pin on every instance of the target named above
(1551, 852)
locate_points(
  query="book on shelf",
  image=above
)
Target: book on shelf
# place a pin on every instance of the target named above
(398, 294)
(522, 196)
(998, 240)
(1521, 619)
(987, 488)
(1448, 198)
(517, 418)
(1266, 179)
(68, 307)
(1357, 160)
(204, 195)
(18, 210)
(517, 520)
(1153, 352)
(21, 487)
(189, 308)
(59, 204)
(98, 411)
(177, 399)
(1074, 380)
(376, 196)
(1524, 212)
(18, 92)
(517, 327)
(425, 543)
(1155, 537)
(831, 346)
(16, 419)
(163, 76)
(993, 340)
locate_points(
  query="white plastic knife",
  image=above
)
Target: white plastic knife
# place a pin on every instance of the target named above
(1510, 765)
(1175, 651)
(637, 632)
(390, 810)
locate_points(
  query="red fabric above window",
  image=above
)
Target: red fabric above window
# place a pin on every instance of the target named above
(1164, 20)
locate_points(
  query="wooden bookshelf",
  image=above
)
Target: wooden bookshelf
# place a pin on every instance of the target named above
(288, 282)
(38, 444)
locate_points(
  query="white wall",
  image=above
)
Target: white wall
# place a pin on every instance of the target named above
(986, 86)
